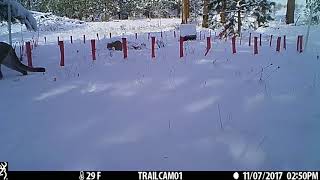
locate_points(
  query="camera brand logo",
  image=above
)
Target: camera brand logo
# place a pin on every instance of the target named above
(3, 170)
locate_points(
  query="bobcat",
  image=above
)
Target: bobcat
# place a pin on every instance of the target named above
(9, 58)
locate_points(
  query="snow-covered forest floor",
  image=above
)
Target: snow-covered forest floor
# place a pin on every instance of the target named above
(214, 112)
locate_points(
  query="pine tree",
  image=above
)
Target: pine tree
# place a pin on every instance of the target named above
(196, 9)
(205, 17)
(313, 5)
(261, 11)
(223, 14)
(229, 15)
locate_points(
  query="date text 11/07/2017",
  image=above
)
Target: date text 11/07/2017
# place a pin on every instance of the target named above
(290, 175)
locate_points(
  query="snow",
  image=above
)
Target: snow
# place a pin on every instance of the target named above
(188, 30)
(195, 113)
(52, 26)
(21, 13)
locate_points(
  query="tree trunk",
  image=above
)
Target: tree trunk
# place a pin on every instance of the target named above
(205, 21)
(290, 11)
(188, 10)
(29, 4)
(223, 12)
(239, 21)
(185, 11)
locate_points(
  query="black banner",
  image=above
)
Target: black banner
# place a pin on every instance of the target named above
(161, 175)
(114, 175)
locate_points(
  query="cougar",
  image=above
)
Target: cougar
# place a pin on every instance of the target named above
(9, 58)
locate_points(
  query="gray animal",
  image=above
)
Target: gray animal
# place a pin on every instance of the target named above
(9, 58)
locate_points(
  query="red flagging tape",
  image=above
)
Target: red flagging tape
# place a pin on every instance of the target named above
(278, 44)
(208, 45)
(29, 55)
(255, 45)
(181, 46)
(153, 44)
(124, 48)
(93, 49)
(61, 45)
(234, 50)
(300, 47)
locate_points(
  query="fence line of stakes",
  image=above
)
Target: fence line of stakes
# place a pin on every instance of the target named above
(29, 45)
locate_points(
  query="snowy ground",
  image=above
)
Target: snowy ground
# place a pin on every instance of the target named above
(51, 26)
(167, 113)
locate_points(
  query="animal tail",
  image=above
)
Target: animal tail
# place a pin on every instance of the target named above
(31, 69)
(24, 67)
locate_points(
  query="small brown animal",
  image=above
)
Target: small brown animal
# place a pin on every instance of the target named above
(9, 58)
(116, 45)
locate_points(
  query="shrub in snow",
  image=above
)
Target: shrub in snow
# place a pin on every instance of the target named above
(160, 43)
(136, 45)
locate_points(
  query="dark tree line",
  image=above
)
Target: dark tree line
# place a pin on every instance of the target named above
(103, 10)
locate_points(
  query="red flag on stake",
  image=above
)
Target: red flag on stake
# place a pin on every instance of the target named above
(234, 50)
(301, 41)
(208, 45)
(29, 53)
(153, 44)
(278, 44)
(61, 45)
(93, 49)
(124, 48)
(255, 46)
(181, 46)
